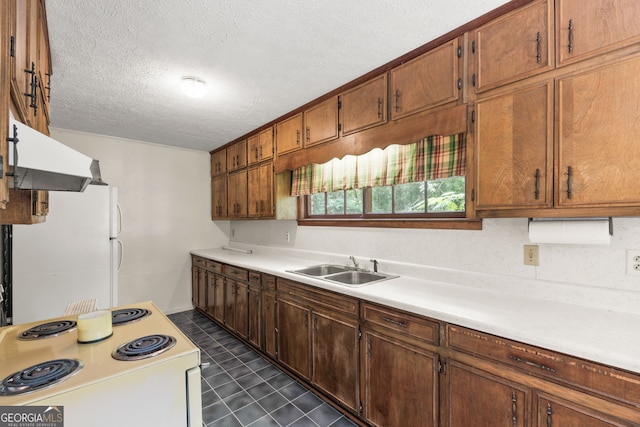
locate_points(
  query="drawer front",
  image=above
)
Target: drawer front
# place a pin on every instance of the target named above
(213, 266)
(318, 298)
(198, 262)
(415, 326)
(236, 273)
(268, 282)
(254, 278)
(600, 378)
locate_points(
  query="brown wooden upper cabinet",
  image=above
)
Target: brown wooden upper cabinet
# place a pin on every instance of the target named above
(514, 148)
(237, 194)
(514, 46)
(321, 122)
(588, 28)
(237, 155)
(598, 132)
(289, 134)
(426, 81)
(219, 197)
(364, 106)
(260, 190)
(219, 162)
(260, 146)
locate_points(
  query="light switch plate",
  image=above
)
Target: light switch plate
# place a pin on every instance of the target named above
(531, 255)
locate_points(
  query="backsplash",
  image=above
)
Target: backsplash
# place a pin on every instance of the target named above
(571, 273)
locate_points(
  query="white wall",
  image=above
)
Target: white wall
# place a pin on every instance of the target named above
(496, 249)
(164, 193)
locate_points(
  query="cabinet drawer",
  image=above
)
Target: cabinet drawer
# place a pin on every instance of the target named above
(198, 262)
(600, 378)
(318, 298)
(268, 282)
(254, 278)
(213, 266)
(415, 326)
(236, 273)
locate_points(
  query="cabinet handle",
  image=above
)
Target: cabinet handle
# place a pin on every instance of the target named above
(400, 323)
(306, 320)
(473, 80)
(530, 363)
(34, 89)
(315, 323)
(397, 107)
(570, 35)
(257, 154)
(514, 414)
(297, 137)
(261, 206)
(308, 134)
(537, 193)
(460, 83)
(549, 414)
(260, 156)
(538, 42)
(569, 181)
(379, 107)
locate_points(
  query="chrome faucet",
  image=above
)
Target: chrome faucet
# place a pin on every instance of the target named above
(375, 265)
(355, 263)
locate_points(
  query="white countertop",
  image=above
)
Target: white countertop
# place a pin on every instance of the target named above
(608, 337)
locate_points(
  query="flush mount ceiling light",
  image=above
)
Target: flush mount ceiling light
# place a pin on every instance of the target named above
(193, 87)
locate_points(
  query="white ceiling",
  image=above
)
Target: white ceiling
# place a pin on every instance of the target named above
(117, 64)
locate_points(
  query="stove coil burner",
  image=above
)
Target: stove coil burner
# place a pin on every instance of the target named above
(48, 330)
(144, 347)
(42, 375)
(128, 315)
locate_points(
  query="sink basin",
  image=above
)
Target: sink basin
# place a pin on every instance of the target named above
(321, 270)
(357, 278)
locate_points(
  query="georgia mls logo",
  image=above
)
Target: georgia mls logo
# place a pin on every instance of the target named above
(31, 416)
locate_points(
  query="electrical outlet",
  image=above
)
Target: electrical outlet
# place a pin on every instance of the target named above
(531, 255)
(633, 262)
(287, 237)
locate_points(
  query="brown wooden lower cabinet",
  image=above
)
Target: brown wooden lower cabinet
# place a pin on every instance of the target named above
(391, 368)
(486, 399)
(400, 383)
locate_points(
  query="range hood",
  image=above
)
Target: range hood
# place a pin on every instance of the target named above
(41, 163)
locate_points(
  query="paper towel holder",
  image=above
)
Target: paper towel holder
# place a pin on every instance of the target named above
(610, 219)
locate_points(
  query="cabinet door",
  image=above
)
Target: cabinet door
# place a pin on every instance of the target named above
(364, 106)
(242, 309)
(321, 122)
(266, 190)
(237, 194)
(195, 271)
(269, 322)
(335, 358)
(255, 315)
(514, 149)
(230, 304)
(426, 81)
(23, 70)
(400, 383)
(219, 197)
(219, 162)
(254, 191)
(294, 338)
(479, 398)
(266, 144)
(514, 46)
(211, 293)
(289, 134)
(199, 287)
(253, 149)
(556, 412)
(587, 28)
(598, 137)
(218, 299)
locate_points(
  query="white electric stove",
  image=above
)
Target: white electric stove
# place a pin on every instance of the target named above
(146, 374)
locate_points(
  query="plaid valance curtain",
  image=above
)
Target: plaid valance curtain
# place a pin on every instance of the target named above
(430, 158)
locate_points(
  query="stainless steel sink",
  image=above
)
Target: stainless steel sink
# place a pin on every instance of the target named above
(342, 275)
(357, 278)
(321, 270)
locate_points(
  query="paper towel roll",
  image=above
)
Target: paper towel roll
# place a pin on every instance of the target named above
(573, 232)
(94, 326)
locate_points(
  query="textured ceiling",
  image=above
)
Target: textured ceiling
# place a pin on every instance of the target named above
(117, 64)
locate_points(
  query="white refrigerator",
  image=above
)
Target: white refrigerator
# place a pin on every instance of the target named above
(74, 256)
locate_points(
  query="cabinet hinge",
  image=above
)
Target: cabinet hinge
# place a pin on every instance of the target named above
(360, 409)
(473, 46)
(459, 51)
(339, 104)
(473, 195)
(442, 367)
(359, 333)
(339, 127)
(12, 47)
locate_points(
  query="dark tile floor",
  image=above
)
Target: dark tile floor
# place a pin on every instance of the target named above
(240, 388)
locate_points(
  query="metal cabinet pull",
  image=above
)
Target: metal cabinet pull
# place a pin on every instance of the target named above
(379, 107)
(570, 35)
(33, 96)
(514, 413)
(308, 134)
(569, 181)
(530, 363)
(549, 415)
(298, 137)
(537, 192)
(538, 47)
(400, 323)
(397, 107)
